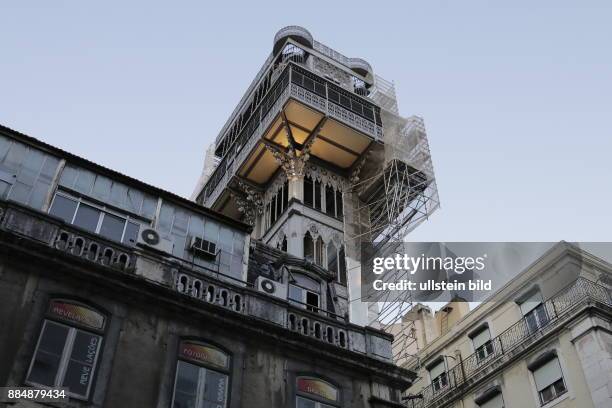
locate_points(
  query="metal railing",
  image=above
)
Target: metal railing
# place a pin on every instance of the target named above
(308, 88)
(512, 340)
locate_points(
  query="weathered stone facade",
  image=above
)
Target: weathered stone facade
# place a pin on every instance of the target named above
(141, 304)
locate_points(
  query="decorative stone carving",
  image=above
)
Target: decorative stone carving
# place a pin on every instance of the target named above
(319, 230)
(275, 186)
(326, 177)
(354, 177)
(250, 203)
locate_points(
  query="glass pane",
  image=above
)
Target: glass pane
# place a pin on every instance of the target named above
(63, 208)
(49, 353)
(342, 271)
(312, 299)
(131, 233)
(295, 293)
(332, 258)
(338, 204)
(305, 403)
(308, 191)
(87, 217)
(215, 389)
(82, 359)
(112, 227)
(330, 201)
(186, 386)
(308, 248)
(317, 195)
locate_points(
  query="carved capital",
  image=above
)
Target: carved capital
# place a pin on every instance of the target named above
(249, 203)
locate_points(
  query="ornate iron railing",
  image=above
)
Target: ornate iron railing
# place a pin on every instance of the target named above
(319, 93)
(511, 341)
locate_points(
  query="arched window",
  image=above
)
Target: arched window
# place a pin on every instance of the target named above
(309, 247)
(202, 376)
(332, 258)
(68, 347)
(312, 392)
(308, 191)
(330, 201)
(319, 251)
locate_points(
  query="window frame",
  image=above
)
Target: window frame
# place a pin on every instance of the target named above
(539, 315)
(319, 401)
(436, 382)
(486, 349)
(551, 386)
(228, 371)
(302, 303)
(73, 328)
(127, 218)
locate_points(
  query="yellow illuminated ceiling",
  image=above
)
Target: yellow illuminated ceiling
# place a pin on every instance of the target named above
(334, 143)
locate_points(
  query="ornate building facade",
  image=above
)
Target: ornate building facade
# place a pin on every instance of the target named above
(316, 158)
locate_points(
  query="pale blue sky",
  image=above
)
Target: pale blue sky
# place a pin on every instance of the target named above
(517, 99)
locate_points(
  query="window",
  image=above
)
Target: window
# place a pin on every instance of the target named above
(438, 375)
(342, 262)
(304, 298)
(534, 312)
(6, 182)
(549, 381)
(315, 393)
(495, 401)
(332, 258)
(319, 247)
(308, 191)
(202, 376)
(308, 247)
(483, 346)
(277, 205)
(338, 204)
(96, 220)
(68, 348)
(317, 194)
(330, 201)
(336, 262)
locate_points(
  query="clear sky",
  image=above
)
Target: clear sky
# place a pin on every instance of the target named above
(517, 99)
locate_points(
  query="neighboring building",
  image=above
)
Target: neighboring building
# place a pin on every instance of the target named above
(542, 340)
(317, 160)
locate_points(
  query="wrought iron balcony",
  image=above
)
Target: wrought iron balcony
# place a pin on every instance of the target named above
(509, 343)
(318, 93)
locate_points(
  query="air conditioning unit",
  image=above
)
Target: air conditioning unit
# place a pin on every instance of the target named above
(270, 287)
(203, 247)
(150, 238)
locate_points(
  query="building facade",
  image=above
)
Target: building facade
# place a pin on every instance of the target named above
(130, 296)
(317, 159)
(543, 340)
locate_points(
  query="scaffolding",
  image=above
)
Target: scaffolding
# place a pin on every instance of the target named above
(393, 189)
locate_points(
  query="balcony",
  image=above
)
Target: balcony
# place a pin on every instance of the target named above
(204, 286)
(501, 349)
(297, 105)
